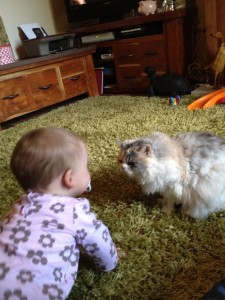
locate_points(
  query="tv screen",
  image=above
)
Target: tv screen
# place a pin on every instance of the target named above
(98, 11)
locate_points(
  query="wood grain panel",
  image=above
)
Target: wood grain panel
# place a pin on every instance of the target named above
(44, 87)
(72, 67)
(31, 84)
(75, 85)
(13, 97)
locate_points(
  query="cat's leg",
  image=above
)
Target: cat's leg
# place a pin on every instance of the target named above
(197, 212)
(201, 207)
(196, 208)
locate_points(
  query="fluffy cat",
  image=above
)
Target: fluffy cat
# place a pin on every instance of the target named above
(188, 170)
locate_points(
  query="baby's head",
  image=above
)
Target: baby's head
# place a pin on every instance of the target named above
(47, 157)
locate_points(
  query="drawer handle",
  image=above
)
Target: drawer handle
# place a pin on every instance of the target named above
(74, 78)
(128, 55)
(151, 53)
(45, 87)
(10, 97)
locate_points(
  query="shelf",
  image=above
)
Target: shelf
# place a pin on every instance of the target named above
(132, 21)
(29, 63)
(162, 45)
(104, 61)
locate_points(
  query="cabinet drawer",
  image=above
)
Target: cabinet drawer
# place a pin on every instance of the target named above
(153, 54)
(129, 77)
(127, 54)
(44, 87)
(72, 67)
(13, 97)
(75, 85)
(132, 79)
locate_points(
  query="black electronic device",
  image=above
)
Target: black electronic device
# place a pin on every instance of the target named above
(98, 11)
(132, 31)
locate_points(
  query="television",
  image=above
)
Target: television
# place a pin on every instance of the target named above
(89, 12)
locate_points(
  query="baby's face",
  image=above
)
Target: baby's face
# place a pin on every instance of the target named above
(81, 173)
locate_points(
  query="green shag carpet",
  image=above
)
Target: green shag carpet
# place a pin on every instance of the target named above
(162, 257)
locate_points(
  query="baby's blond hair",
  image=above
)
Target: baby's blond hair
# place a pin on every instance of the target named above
(41, 155)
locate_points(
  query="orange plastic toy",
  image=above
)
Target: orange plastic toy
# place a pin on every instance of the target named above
(208, 100)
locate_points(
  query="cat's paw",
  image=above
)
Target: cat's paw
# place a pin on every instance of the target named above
(168, 206)
(197, 214)
(167, 209)
(162, 202)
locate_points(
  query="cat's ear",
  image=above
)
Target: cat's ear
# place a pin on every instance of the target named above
(122, 144)
(146, 149)
(119, 143)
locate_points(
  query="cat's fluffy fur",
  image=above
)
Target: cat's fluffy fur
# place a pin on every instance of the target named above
(188, 170)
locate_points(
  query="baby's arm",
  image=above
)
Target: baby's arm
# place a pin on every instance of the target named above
(95, 238)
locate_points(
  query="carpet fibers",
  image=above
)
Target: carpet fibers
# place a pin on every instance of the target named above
(162, 256)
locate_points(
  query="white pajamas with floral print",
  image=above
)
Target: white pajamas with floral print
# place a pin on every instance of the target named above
(40, 241)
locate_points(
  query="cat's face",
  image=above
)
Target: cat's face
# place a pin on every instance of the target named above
(152, 161)
(133, 157)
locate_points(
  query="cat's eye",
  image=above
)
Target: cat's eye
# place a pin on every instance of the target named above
(131, 163)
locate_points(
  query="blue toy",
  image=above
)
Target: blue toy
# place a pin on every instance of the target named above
(173, 101)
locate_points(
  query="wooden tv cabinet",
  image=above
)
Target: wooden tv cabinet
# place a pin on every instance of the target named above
(31, 84)
(165, 44)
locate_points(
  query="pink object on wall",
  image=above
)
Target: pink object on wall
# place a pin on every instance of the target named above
(6, 54)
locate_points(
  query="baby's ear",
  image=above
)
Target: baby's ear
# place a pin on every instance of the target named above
(68, 179)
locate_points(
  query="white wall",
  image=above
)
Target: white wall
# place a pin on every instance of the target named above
(49, 14)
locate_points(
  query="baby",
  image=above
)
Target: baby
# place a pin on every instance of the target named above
(41, 236)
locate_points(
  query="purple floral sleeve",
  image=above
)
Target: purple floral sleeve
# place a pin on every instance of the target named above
(94, 237)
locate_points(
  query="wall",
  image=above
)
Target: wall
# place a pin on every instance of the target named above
(50, 14)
